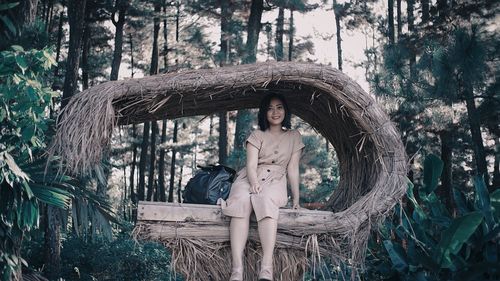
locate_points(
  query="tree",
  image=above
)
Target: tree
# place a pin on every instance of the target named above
(243, 117)
(280, 28)
(141, 187)
(172, 164)
(390, 21)
(121, 7)
(154, 125)
(76, 16)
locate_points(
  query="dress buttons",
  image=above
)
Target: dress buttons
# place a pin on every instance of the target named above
(273, 161)
(268, 170)
(275, 152)
(263, 179)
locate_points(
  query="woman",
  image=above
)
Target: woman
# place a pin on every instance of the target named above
(272, 152)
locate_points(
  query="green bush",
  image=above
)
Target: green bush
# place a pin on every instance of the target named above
(101, 259)
(425, 241)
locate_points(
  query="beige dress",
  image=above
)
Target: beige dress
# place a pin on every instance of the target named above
(274, 156)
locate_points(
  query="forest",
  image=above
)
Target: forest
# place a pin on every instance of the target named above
(431, 65)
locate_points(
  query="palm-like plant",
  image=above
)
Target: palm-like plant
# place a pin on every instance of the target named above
(27, 178)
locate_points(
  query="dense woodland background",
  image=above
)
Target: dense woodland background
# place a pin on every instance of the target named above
(432, 65)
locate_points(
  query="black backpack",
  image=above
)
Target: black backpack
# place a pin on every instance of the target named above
(209, 184)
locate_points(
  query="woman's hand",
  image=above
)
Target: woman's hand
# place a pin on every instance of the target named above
(255, 188)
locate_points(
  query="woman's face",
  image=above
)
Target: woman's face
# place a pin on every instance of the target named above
(275, 112)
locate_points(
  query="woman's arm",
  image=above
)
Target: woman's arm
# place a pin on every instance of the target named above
(252, 161)
(293, 177)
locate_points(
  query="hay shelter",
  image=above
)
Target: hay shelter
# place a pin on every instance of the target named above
(373, 163)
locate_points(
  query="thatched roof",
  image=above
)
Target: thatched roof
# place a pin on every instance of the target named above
(372, 158)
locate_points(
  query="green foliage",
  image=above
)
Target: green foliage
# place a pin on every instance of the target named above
(24, 100)
(121, 259)
(26, 177)
(424, 242)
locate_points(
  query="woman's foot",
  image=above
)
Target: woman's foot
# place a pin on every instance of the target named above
(236, 274)
(266, 273)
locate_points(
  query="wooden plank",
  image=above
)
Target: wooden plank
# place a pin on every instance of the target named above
(181, 212)
(161, 211)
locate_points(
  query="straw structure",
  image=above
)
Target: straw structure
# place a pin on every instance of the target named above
(373, 163)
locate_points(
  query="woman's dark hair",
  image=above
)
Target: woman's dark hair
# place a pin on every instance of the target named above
(264, 106)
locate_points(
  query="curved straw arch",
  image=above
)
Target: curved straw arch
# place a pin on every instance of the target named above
(373, 164)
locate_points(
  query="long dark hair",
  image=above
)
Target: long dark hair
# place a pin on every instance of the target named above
(264, 106)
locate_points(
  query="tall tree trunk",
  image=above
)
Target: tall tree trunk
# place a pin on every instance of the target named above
(27, 12)
(425, 10)
(47, 14)
(172, 165)
(165, 37)
(224, 49)
(223, 137)
(243, 117)
(243, 122)
(496, 165)
(177, 18)
(76, 17)
(442, 8)
(390, 20)
(280, 27)
(124, 193)
(291, 31)
(56, 85)
(131, 43)
(445, 191)
(225, 31)
(152, 159)
(132, 166)
(477, 140)
(339, 34)
(53, 242)
(156, 31)
(86, 42)
(161, 164)
(179, 187)
(120, 7)
(58, 47)
(142, 162)
(398, 19)
(211, 129)
(152, 71)
(253, 30)
(411, 38)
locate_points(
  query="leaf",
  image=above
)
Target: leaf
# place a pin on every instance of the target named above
(28, 132)
(457, 234)
(11, 28)
(417, 209)
(8, 6)
(495, 202)
(397, 255)
(49, 60)
(433, 166)
(13, 166)
(460, 202)
(22, 63)
(483, 202)
(50, 195)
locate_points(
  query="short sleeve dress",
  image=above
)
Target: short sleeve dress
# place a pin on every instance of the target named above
(273, 158)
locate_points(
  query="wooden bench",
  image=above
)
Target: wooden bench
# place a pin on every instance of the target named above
(164, 221)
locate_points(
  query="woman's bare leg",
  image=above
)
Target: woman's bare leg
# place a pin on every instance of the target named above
(267, 234)
(238, 232)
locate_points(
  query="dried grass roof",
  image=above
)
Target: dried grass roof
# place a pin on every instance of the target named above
(373, 164)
